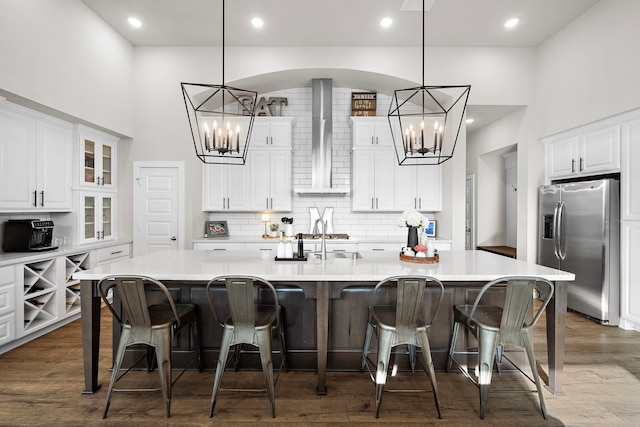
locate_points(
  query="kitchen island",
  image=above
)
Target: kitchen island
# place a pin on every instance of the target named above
(324, 301)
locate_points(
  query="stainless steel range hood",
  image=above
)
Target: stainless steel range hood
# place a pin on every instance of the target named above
(321, 140)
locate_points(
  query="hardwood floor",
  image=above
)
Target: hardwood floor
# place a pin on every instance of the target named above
(41, 381)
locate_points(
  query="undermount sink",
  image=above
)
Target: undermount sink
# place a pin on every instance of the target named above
(335, 254)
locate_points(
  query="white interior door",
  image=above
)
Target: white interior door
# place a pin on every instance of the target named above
(468, 216)
(158, 202)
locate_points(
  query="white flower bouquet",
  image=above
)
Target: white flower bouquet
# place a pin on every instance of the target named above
(413, 219)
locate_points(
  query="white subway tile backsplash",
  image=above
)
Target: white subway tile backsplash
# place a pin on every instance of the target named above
(361, 225)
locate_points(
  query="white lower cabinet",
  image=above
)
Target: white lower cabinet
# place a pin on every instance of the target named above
(41, 295)
(7, 305)
(112, 253)
(630, 276)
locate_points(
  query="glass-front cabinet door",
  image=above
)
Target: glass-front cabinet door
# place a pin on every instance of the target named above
(98, 159)
(107, 218)
(97, 219)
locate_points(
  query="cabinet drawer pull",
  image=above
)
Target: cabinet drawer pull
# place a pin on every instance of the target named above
(116, 252)
(377, 249)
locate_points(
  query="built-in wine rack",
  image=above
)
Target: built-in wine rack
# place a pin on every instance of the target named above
(40, 305)
(73, 264)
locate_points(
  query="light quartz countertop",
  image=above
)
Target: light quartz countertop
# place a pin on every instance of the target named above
(10, 258)
(190, 265)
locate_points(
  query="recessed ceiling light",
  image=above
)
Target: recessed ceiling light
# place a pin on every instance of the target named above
(135, 22)
(257, 22)
(386, 22)
(511, 23)
(469, 121)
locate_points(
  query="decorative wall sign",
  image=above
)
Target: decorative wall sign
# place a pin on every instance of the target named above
(271, 107)
(363, 103)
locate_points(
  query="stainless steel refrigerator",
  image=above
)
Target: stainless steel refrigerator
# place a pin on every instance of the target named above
(579, 232)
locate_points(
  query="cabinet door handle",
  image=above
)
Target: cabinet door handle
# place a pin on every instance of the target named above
(228, 204)
(42, 198)
(271, 139)
(372, 205)
(35, 199)
(419, 202)
(376, 203)
(573, 165)
(376, 140)
(581, 165)
(267, 200)
(415, 203)
(372, 142)
(271, 199)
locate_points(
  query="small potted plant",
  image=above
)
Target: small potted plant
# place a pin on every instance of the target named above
(274, 230)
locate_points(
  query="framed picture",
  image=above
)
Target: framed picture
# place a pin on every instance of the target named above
(216, 229)
(430, 229)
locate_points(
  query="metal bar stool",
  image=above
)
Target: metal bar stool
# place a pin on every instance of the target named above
(252, 322)
(494, 327)
(154, 325)
(402, 324)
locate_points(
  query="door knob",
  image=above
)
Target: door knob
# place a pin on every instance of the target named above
(173, 238)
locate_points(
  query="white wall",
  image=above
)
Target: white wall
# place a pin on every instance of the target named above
(497, 76)
(60, 58)
(589, 70)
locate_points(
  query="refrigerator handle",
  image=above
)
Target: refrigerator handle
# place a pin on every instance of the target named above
(555, 231)
(560, 236)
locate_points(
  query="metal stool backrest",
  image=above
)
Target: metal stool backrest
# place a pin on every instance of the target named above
(132, 293)
(242, 301)
(409, 300)
(517, 301)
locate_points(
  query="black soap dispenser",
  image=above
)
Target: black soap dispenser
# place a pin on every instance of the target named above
(300, 246)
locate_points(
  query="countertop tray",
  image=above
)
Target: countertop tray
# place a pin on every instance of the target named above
(427, 260)
(291, 259)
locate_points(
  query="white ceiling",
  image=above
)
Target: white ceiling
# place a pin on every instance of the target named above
(342, 23)
(338, 22)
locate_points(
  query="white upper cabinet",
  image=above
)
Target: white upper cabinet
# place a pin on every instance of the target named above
(379, 183)
(419, 187)
(97, 217)
(35, 154)
(270, 179)
(271, 132)
(97, 159)
(371, 132)
(630, 185)
(592, 150)
(264, 182)
(373, 180)
(269, 162)
(225, 188)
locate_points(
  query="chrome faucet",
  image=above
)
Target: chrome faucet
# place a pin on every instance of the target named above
(323, 248)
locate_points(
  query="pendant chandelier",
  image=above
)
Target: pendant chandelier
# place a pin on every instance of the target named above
(425, 121)
(221, 118)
